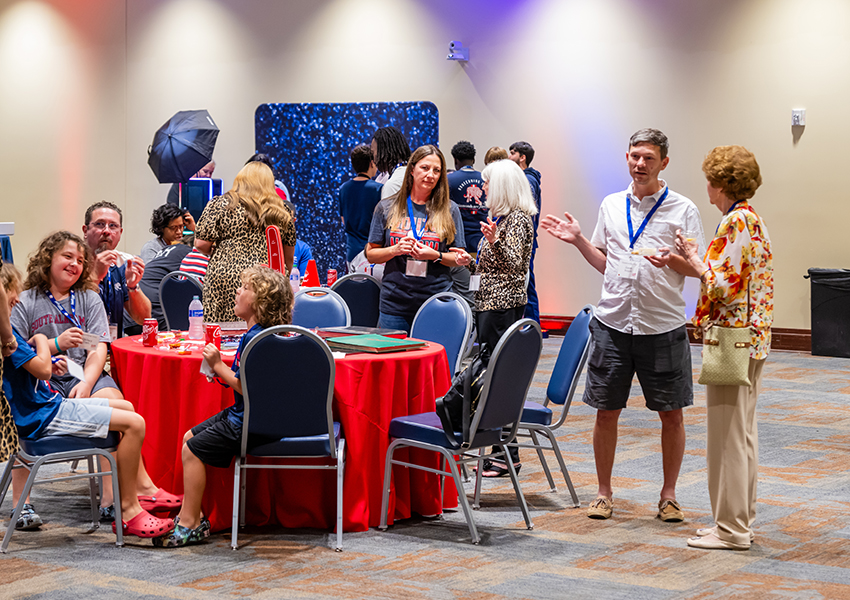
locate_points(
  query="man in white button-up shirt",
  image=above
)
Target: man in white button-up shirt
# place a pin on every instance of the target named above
(640, 322)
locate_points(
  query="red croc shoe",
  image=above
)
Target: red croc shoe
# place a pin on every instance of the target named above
(161, 501)
(145, 525)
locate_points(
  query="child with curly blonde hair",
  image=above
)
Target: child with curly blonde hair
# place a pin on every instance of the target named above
(264, 300)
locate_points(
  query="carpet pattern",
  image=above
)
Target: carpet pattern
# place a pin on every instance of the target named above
(801, 549)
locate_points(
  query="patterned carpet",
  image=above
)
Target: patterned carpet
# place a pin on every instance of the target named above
(801, 549)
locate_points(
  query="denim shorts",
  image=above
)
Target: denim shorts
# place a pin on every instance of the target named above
(662, 363)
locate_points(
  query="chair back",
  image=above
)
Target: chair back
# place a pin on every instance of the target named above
(287, 385)
(320, 307)
(446, 319)
(362, 294)
(176, 291)
(570, 362)
(506, 383)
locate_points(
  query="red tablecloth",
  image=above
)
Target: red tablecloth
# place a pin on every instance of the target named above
(369, 391)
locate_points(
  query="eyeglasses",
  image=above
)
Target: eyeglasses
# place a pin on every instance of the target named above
(101, 225)
(176, 228)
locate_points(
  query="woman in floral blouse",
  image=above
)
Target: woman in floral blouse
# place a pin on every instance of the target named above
(737, 291)
(503, 256)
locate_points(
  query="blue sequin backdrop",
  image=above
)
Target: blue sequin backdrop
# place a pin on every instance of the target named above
(309, 145)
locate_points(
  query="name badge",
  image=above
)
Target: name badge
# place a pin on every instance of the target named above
(416, 268)
(90, 342)
(629, 267)
(113, 332)
(474, 283)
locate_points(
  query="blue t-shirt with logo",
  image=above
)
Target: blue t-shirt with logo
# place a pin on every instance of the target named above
(402, 295)
(466, 189)
(33, 403)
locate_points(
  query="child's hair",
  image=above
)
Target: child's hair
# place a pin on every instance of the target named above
(10, 277)
(38, 269)
(273, 295)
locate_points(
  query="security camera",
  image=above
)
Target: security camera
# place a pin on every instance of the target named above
(458, 52)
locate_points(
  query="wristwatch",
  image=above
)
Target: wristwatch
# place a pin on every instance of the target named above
(9, 344)
(439, 259)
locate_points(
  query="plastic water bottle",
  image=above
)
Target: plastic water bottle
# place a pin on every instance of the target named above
(295, 279)
(196, 319)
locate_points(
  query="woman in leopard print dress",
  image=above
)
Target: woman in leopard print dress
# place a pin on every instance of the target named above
(503, 257)
(8, 432)
(235, 224)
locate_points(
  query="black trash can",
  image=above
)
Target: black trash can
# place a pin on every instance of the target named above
(830, 312)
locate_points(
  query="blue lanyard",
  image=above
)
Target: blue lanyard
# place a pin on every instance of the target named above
(71, 317)
(731, 208)
(478, 250)
(417, 234)
(632, 235)
(105, 291)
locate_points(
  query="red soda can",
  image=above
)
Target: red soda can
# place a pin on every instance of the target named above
(331, 277)
(212, 334)
(149, 330)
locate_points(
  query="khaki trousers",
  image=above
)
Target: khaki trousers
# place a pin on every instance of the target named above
(732, 455)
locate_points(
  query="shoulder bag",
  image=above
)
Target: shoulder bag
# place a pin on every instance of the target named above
(726, 353)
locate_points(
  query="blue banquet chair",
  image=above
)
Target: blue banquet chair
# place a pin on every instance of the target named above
(495, 421)
(320, 307)
(295, 420)
(176, 291)
(362, 294)
(52, 449)
(446, 319)
(538, 418)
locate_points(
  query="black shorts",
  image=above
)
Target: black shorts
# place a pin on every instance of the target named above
(216, 441)
(65, 383)
(662, 363)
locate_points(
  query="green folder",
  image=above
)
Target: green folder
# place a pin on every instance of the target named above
(377, 344)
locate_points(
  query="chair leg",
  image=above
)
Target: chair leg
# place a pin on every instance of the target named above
(74, 465)
(116, 495)
(234, 525)
(16, 514)
(557, 449)
(385, 494)
(340, 469)
(465, 472)
(476, 499)
(536, 441)
(518, 490)
(461, 496)
(95, 515)
(7, 480)
(443, 467)
(243, 491)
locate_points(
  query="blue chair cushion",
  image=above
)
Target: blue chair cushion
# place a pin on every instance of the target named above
(426, 428)
(532, 412)
(50, 444)
(312, 445)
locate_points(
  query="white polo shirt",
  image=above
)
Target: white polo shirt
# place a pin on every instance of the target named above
(650, 301)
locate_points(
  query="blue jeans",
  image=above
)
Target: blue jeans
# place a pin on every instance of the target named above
(395, 322)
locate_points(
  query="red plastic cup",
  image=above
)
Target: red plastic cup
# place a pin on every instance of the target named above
(150, 328)
(212, 334)
(331, 277)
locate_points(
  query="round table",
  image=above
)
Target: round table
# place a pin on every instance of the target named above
(369, 391)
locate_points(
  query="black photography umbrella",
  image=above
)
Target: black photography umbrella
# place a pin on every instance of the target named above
(182, 146)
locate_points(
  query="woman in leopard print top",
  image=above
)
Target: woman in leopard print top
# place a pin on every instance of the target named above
(503, 257)
(236, 223)
(504, 252)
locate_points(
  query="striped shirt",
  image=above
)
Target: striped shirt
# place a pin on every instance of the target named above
(196, 263)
